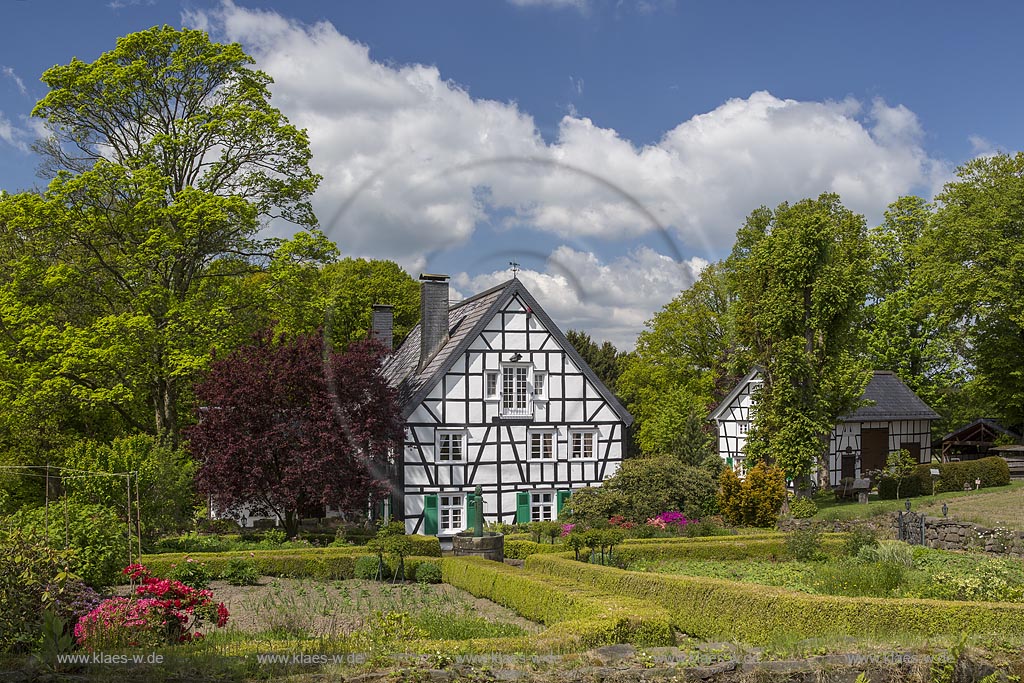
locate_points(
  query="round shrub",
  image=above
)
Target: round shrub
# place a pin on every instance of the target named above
(859, 537)
(366, 568)
(428, 572)
(241, 572)
(192, 573)
(804, 544)
(803, 508)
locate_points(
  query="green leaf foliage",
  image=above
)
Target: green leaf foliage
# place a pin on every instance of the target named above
(800, 273)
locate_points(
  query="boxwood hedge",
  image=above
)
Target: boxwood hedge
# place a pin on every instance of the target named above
(720, 609)
(576, 612)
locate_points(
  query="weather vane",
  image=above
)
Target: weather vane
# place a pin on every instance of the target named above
(515, 269)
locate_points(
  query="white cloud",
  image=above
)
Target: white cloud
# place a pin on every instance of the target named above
(9, 72)
(12, 135)
(412, 162)
(611, 301)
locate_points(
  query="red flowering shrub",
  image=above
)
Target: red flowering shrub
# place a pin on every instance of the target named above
(162, 611)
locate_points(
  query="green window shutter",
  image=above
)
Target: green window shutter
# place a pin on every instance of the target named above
(561, 498)
(523, 507)
(470, 510)
(430, 515)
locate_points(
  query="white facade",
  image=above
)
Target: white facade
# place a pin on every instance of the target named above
(896, 419)
(515, 412)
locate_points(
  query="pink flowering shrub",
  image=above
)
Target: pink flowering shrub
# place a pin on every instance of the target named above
(670, 521)
(162, 611)
(567, 529)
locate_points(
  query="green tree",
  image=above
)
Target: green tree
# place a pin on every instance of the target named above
(901, 333)
(800, 273)
(899, 465)
(973, 267)
(355, 285)
(604, 359)
(167, 160)
(671, 380)
(164, 476)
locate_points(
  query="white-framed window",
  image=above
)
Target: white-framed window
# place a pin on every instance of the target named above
(491, 384)
(540, 384)
(451, 509)
(451, 446)
(582, 444)
(514, 397)
(744, 427)
(542, 444)
(542, 506)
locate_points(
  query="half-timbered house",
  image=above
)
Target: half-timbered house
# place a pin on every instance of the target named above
(893, 418)
(493, 395)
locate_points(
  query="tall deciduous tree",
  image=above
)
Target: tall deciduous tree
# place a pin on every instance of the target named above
(974, 263)
(901, 331)
(167, 160)
(801, 276)
(670, 380)
(355, 285)
(287, 425)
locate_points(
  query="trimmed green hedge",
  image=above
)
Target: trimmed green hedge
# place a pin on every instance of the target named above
(720, 609)
(735, 548)
(577, 613)
(520, 550)
(992, 471)
(320, 563)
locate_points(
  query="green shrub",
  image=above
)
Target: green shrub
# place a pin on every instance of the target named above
(428, 572)
(192, 573)
(804, 544)
(368, 567)
(859, 537)
(989, 581)
(28, 570)
(241, 572)
(97, 536)
(768, 547)
(756, 500)
(992, 471)
(802, 508)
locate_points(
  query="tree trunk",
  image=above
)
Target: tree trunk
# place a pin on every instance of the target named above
(291, 523)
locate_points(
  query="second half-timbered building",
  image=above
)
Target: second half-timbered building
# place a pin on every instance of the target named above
(893, 418)
(493, 395)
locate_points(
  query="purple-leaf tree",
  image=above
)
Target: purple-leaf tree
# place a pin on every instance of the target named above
(287, 425)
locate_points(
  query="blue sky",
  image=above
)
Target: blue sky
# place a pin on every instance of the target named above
(612, 148)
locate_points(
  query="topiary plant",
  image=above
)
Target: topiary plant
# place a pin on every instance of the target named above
(428, 572)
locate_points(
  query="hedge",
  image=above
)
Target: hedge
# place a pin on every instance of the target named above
(426, 546)
(735, 548)
(992, 471)
(719, 609)
(577, 614)
(320, 563)
(520, 550)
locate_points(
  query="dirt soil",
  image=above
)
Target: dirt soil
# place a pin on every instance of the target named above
(339, 607)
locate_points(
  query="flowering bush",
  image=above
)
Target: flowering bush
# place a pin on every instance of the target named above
(192, 573)
(567, 529)
(670, 521)
(161, 611)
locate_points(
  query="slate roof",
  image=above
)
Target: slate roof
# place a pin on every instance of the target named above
(893, 400)
(466, 320)
(982, 422)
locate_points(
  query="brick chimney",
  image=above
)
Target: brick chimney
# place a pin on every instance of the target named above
(384, 325)
(433, 315)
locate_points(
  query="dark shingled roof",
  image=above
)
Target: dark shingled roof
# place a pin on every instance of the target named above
(466, 320)
(892, 400)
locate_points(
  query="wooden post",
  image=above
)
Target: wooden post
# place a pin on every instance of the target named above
(138, 515)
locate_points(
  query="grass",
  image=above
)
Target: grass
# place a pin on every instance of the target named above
(934, 574)
(991, 507)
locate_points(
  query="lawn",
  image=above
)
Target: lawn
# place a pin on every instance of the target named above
(992, 507)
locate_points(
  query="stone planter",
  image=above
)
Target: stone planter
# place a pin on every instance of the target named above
(490, 546)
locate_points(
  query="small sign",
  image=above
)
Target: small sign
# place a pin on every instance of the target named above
(935, 472)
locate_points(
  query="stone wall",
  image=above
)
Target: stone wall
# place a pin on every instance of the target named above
(947, 534)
